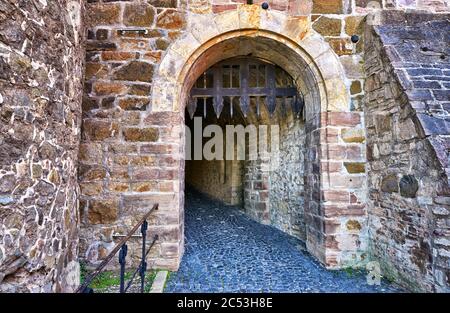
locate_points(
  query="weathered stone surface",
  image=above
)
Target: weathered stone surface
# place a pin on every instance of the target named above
(396, 125)
(355, 167)
(353, 225)
(135, 71)
(408, 186)
(389, 183)
(370, 4)
(139, 14)
(103, 14)
(141, 134)
(107, 88)
(171, 19)
(353, 135)
(354, 25)
(117, 92)
(327, 26)
(164, 3)
(355, 87)
(99, 129)
(327, 6)
(102, 211)
(132, 104)
(41, 69)
(341, 46)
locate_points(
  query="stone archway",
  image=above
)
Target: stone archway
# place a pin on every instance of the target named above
(335, 220)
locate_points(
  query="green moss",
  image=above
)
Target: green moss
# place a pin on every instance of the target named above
(167, 279)
(149, 278)
(349, 271)
(108, 279)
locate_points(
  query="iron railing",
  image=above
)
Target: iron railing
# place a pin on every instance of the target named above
(122, 246)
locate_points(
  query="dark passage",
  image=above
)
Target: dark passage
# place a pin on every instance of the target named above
(226, 251)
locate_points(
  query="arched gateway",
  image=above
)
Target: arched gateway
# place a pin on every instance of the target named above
(318, 75)
(93, 102)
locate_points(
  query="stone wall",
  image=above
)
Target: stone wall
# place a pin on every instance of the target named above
(142, 59)
(406, 112)
(286, 181)
(122, 157)
(41, 70)
(129, 158)
(219, 179)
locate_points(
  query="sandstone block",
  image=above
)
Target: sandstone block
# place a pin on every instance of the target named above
(327, 26)
(103, 211)
(135, 71)
(355, 167)
(139, 14)
(97, 130)
(327, 6)
(355, 135)
(171, 19)
(102, 88)
(103, 14)
(134, 104)
(354, 25)
(141, 134)
(355, 87)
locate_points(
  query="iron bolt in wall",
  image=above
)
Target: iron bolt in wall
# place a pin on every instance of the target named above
(354, 38)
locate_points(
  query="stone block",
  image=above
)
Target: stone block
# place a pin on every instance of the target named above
(355, 87)
(354, 25)
(408, 186)
(340, 119)
(390, 183)
(138, 14)
(119, 56)
(355, 167)
(103, 14)
(171, 19)
(91, 189)
(103, 88)
(103, 211)
(222, 7)
(134, 104)
(327, 7)
(97, 130)
(135, 71)
(327, 26)
(341, 46)
(141, 134)
(353, 135)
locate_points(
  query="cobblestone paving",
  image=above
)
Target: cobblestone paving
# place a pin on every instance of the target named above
(228, 252)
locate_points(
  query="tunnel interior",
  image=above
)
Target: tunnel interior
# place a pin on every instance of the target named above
(250, 117)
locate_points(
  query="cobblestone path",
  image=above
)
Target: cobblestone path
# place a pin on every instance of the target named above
(226, 251)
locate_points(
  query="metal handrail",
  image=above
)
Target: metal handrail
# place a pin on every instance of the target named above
(83, 288)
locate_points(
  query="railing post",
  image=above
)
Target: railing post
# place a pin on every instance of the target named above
(143, 268)
(122, 257)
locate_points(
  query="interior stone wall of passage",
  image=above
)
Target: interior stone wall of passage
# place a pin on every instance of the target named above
(287, 180)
